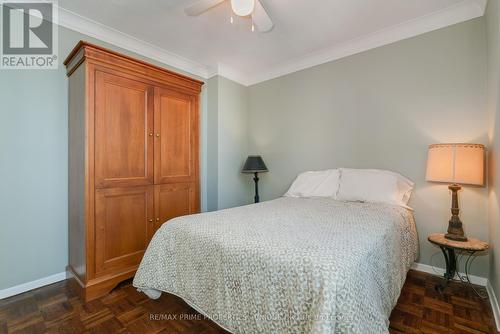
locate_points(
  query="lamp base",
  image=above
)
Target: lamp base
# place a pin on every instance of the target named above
(455, 230)
(256, 180)
(455, 237)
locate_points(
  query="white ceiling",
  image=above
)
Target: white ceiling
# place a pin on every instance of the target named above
(306, 32)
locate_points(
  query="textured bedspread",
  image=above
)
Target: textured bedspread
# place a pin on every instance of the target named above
(291, 265)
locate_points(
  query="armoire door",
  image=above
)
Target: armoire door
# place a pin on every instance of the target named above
(176, 134)
(124, 111)
(124, 222)
(174, 200)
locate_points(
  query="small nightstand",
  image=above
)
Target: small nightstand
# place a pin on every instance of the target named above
(448, 247)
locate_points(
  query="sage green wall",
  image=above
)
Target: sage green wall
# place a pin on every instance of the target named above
(33, 168)
(493, 34)
(227, 144)
(213, 144)
(381, 109)
(377, 109)
(232, 149)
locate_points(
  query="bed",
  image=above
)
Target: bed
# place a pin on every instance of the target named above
(289, 265)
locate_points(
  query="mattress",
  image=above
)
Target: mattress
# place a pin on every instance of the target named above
(290, 265)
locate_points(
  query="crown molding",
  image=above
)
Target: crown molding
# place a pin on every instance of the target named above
(232, 74)
(460, 12)
(110, 35)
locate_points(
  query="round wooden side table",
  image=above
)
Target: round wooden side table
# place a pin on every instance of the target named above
(449, 249)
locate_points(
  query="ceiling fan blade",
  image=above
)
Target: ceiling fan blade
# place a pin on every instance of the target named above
(201, 6)
(261, 19)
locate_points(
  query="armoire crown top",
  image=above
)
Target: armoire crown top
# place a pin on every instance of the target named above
(85, 51)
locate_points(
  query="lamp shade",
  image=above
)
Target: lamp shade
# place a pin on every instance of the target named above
(456, 163)
(254, 164)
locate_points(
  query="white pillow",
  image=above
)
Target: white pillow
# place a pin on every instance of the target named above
(369, 186)
(323, 183)
(405, 185)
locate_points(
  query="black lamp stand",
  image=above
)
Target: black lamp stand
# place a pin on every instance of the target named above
(256, 180)
(254, 164)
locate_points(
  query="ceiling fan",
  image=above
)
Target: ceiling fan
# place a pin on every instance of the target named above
(251, 8)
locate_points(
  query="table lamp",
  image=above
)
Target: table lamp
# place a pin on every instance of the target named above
(457, 164)
(255, 165)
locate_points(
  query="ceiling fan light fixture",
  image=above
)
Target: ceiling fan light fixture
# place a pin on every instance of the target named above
(242, 7)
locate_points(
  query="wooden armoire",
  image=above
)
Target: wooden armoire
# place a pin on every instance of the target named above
(133, 161)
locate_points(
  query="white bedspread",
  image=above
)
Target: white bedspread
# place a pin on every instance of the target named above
(290, 265)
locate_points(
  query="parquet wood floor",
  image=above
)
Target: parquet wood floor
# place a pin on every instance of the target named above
(55, 309)
(421, 309)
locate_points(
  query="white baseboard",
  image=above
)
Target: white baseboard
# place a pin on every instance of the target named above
(474, 279)
(15, 290)
(494, 304)
(478, 280)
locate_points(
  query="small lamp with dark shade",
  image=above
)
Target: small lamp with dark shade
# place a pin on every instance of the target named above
(255, 165)
(456, 164)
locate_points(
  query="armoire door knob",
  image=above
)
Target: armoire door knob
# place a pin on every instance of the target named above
(151, 134)
(151, 220)
(158, 134)
(157, 219)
